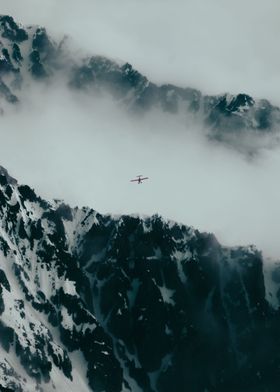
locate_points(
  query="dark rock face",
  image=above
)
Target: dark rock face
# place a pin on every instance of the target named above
(236, 113)
(42, 43)
(11, 30)
(5, 62)
(150, 305)
(17, 56)
(37, 68)
(176, 318)
(225, 109)
(7, 94)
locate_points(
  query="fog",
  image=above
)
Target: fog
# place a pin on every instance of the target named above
(218, 46)
(85, 150)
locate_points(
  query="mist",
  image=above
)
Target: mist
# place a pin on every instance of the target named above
(85, 150)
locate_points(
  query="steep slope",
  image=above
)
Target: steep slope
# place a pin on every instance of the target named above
(30, 54)
(104, 303)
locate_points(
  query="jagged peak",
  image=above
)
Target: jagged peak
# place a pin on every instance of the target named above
(12, 30)
(4, 172)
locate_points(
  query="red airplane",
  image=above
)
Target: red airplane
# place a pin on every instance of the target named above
(139, 179)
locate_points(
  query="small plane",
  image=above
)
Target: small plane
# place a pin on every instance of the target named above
(139, 179)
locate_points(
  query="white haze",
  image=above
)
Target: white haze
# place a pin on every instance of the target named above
(86, 150)
(217, 45)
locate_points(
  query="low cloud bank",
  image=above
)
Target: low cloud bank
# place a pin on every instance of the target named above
(85, 150)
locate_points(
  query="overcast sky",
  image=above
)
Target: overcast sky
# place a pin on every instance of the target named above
(67, 146)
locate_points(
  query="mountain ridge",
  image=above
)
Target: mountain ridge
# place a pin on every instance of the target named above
(31, 53)
(144, 303)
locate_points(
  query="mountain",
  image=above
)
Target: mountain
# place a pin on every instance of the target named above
(92, 302)
(29, 53)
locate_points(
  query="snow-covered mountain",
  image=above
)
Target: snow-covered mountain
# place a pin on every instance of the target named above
(124, 303)
(29, 52)
(92, 302)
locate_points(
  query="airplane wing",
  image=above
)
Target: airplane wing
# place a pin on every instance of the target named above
(139, 179)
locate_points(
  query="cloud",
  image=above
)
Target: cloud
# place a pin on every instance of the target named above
(85, 150)
(216, 46)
